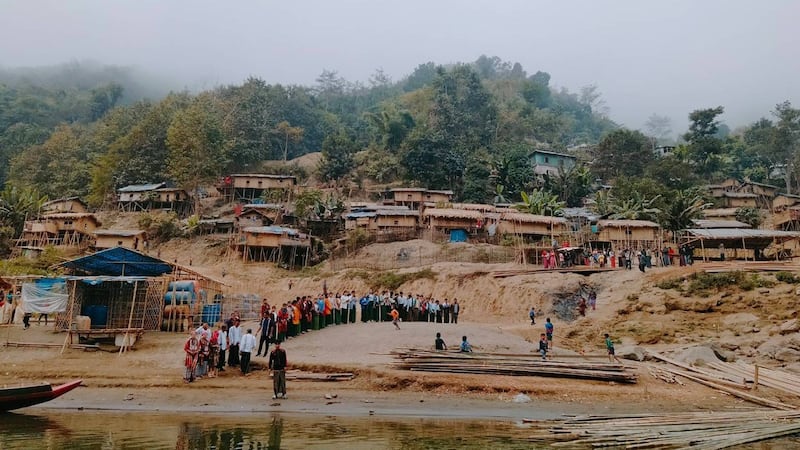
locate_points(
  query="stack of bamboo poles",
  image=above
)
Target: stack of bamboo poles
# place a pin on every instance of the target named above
(698, 430)
(573, 269)
(298, 375)
(736, 378)
(509, 364)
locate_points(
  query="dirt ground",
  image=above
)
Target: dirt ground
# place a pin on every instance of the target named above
(494, 317)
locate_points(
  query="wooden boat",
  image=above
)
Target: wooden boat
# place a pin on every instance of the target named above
(23, 396)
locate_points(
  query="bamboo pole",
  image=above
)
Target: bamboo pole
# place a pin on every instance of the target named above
(130, 319)
(70, 319)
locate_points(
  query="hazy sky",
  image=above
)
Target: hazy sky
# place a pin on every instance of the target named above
(665, 57)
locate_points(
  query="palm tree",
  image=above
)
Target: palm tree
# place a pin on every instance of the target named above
(541, 202)
(682, 208)
(16, 205)
(498, 197)
(602, 202)
(637, 207)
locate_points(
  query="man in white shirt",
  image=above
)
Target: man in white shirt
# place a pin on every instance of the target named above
(203, 330)
(222, 339)
(234, 338)
(247, 345)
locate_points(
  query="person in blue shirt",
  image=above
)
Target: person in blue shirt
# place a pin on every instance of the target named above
(548, 330)
(465, 347)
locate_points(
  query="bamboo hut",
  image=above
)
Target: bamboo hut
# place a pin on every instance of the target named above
(631, 234)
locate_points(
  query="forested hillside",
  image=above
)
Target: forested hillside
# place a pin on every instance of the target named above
(76, 130)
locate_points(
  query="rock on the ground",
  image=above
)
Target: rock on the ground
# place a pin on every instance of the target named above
(740, 319)
(634, 353)
(790, 326)
(697, 355)
(722, 353)
(521, 398)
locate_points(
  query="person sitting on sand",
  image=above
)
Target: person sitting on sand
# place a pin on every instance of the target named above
(440, 345)
(543, 346)
(465, 346)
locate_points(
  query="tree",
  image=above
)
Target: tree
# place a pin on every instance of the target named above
(195, 140)
(570, 185)
(622, 153)
(704, 145)
(541, 202)
(683, 207)
(289, 134)
(477, 180)
(750, 216)
(786, 138)
(658, 127)
(635, 207)
(18, 205)
(337, 156)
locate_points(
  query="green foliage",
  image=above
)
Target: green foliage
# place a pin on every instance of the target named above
(705, 146)
(682, 207)
(570, 185)
(392, 280)
(787, 277)
(750, 216)
(635, 207)
(477, 181)
(337, 156)
(541, 202)
(160, 227)
(19, 204)
(379, 165)
(623, 153)
(305, 202)
(703, 283)
(670, 283)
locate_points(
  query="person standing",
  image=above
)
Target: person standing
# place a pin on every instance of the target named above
(223, 346)
(456, 308)
(191, 348)
(247, 345)
(277, 364)
(234, 338)
(265, 331)
(548, 331)
(543, 346)
(593, 299)
(610, 348)
(532, 315)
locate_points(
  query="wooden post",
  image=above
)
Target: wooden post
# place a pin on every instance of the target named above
(130, 318)
(70, 311)
(755, 379)
(703, 247)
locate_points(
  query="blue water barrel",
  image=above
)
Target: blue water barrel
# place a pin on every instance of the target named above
(179, 298)
(211, 313)
(99, 315)
(182, 286)
(458, 236)
(87, 310)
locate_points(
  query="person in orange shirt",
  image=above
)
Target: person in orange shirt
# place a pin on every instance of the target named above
(395, 317)
(296, 318)
(328, 311)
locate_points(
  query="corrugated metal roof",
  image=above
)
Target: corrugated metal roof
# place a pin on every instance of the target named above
(274, 229)
(627, 223)
(739, 195)
(262, 206)
(141, 187)
(705, 223)
(737, 233)
(360, 214)
(262, 175)
(720, 212)
(396, 212)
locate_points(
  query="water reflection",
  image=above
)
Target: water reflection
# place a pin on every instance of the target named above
(190, 431)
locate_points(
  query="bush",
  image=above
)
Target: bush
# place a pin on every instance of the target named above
(701, 282)
(160, 227)
(670, 283)
(787, 277)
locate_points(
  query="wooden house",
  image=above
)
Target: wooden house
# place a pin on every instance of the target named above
(414, 198)
(632, 234)
(246, 187)
(547, 162)
(720, 213)
(133, 239)
(783, 201)
(259, 215)
(65, 205)
(216, 226)
(446, 220)
(274, 243)
(531, 225)
(59, 229)
(154, 196)
(718, 223)
(739, 200)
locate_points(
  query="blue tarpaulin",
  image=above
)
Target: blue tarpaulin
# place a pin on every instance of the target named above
(458, 236)
(119, 261)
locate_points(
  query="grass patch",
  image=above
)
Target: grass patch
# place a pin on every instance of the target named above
(670, 283)
(391, 280)
(702, 283)
(787, 277)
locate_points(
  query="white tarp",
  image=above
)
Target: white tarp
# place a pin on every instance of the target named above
(45, 299)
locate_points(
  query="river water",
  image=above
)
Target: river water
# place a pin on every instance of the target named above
(79, 430)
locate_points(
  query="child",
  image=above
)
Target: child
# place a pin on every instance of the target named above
(440, 345)
(548, 330)
(532, 315)
(465, 347)
(543, 345)
(610, 347)
(395, 317)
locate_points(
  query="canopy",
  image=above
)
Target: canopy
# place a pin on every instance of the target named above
(119, 261)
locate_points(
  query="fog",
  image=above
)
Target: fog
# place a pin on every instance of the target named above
(646, 57)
